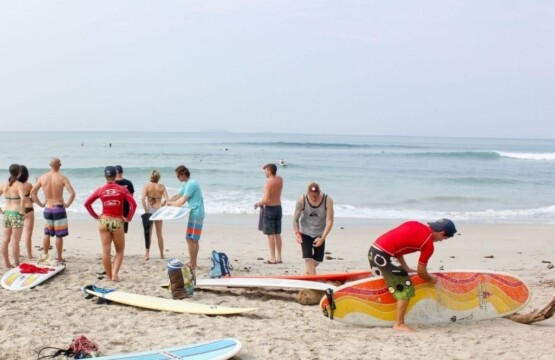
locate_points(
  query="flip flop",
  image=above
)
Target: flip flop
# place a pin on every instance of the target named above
(269, 262)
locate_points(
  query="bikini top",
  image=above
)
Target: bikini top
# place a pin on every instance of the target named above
(12, 198)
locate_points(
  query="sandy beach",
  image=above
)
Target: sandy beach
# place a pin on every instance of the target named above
(54, 313)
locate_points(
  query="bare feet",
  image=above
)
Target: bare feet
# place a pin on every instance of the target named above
(162, 256)
(403, 327)
(115, 278)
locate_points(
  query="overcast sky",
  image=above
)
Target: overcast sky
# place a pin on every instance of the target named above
(446, 68)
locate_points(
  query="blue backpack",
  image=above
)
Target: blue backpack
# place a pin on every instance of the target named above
(220, 265)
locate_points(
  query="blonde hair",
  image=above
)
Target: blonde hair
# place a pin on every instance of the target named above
(154, 176)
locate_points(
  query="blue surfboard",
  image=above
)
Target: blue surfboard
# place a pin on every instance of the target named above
(212, 350)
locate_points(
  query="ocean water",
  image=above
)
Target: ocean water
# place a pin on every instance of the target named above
(373, 177)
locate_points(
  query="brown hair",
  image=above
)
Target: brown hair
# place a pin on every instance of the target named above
(271, 167)
(155, 176)
(15, 170)
(182, 170)
(24, 174)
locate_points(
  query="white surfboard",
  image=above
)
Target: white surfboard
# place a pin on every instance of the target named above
(162, 304)
(263, 283)
(17, 280)
(170, 213)
(220, 349)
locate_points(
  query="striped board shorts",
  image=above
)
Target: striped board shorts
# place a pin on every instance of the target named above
(55, 221)
(194, 229)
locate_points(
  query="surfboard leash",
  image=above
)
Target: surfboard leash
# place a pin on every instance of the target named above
(99, 300)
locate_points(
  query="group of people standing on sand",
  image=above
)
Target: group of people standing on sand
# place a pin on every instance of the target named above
(19, 213)
(313, 221)
(118, 209)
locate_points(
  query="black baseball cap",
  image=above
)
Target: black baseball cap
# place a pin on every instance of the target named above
(445, 225)
(110, 171)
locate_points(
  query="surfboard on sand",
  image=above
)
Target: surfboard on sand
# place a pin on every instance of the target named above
(162, 304)
(263, 283)
(341, 277)
(18, 279)
(170, 213)
(459, 296)
(211, 350)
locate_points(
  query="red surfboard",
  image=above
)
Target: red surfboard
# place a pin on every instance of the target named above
(341, 277)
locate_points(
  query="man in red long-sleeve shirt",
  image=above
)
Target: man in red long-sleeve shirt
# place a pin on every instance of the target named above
(386, 258)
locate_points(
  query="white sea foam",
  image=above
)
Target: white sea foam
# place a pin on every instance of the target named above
(245, 206)
(367, 177)
(527, 156)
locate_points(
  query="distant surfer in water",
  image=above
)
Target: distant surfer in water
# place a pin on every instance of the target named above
(386, 258)
(312, 222)
(111, 220)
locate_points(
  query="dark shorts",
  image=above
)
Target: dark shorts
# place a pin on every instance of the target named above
(396, 278)
(272, 220)
(311, 252)
(55, 221)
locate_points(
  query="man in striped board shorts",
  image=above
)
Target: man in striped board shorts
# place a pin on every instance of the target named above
(53, 184)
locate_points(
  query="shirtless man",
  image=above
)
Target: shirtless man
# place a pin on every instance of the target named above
(53, 184)
(271, 203)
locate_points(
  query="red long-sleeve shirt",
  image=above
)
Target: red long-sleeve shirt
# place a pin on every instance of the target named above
(112, 196)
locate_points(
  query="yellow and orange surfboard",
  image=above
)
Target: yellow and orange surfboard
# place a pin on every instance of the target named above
(459, 296)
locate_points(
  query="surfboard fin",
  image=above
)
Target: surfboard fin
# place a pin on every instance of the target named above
(328, 311)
